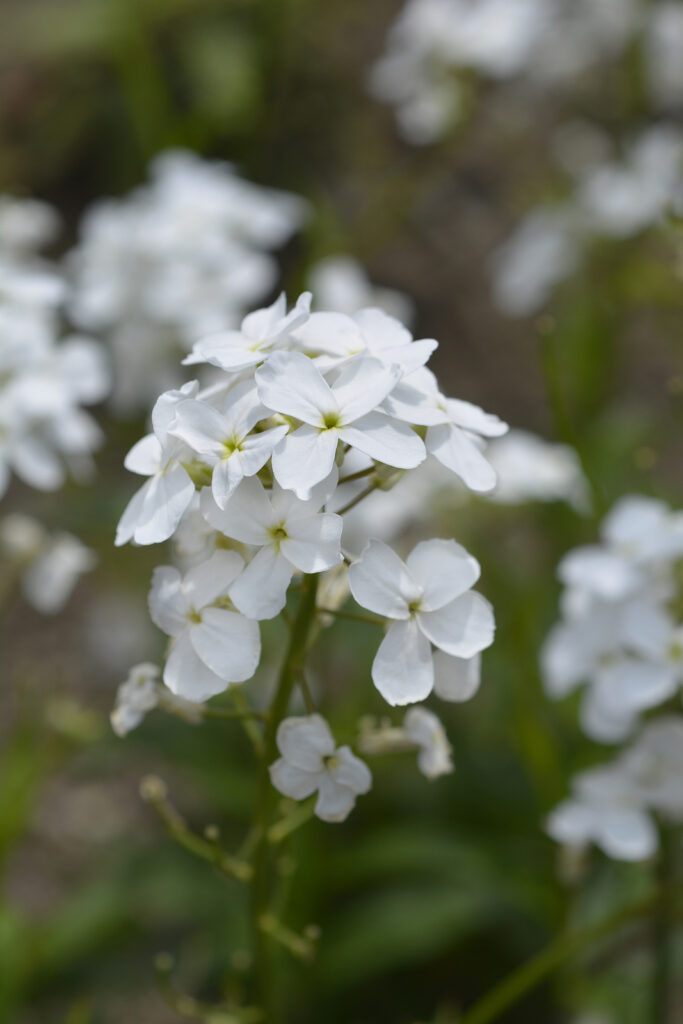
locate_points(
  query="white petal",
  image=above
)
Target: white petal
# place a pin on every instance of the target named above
(403, 670)
(166, 600)
(628, 835)
(459, 453)
(226, 477)
(144, 457)
(206, 582)
(228, 643)
(257, 449)
(471, 417)
(229, 350)
(456, 679)
(200, 426)
(629, 685)
(247, 517)
(292, 781)
(604, 573)
(380, 581)
(350, 771)
(289, 383)
(385, 439)
(131, 517)
(313, 542)
(362, 386)
(304, 458)
(463, 628)
(37, 464)
(187, 676)
(444, 570)
(261, 591)
(334, 802)
(167, 496)
(304, 742)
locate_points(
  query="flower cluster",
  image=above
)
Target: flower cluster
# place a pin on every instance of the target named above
(621, 634)
(611, 198)
(44, 379)
(185, 254)
(435, 46)
(253, 475)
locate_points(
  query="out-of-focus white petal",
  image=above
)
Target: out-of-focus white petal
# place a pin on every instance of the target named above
(456, 450)
(456, 679)
(261, 590)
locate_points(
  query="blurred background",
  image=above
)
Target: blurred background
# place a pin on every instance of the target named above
(516, 187)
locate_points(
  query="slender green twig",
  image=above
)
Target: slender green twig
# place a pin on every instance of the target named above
(663, 931)
(527, 977)
(291, 822)
(359, 497)
(234, 714)
(356, 476)
(371, 620)
(153, 791)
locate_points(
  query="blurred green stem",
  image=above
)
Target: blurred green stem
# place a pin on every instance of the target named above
(562, 419)
(526, 978)
(664, 920)
(261, 920)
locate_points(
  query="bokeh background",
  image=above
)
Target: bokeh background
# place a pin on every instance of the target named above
(430, 893)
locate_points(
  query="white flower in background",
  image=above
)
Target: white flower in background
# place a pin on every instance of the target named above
(455, 429)
(430, 601)
(311, 762)
(456, 679)
(425, 730)
(663, 47)
(345, 412)
(214, 645)
(531, 469)
(260, 333)
(291, 535)
(154, 512)
(623, 198)
(544, 249)
(182, 256)
(137, 695)
(341, 284)
(44, 379)
(49, 565)
(613, 805)
(141, 692)
(605, 809)
(222, 437)
(335, 338)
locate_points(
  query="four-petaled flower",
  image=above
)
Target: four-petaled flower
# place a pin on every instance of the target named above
(214, 644)
(311, 761)
(429, 598)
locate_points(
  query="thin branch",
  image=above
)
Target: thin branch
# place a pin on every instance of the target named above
(355, 501)
(339, 613)
(355, 476)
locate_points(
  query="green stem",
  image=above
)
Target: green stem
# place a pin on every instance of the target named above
(663, 932)
(527, 977)
(260, 888)
(371, 620)
(357, 475)
(359, 497)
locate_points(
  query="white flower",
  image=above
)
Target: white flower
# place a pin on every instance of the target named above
(153, 513)
(663, 48)
(292, 537)
(141, 692)
(456, 679)
(425, 730)
(137, 695)
(214, 646)
(334, 338)
(531, 469)
(289, 383)
(223, 437)
(260, 333)
(430, 601)
(605, 809)
(340, 284)
(50, 578)
(655, 763)
(454, 428)
(312, 762)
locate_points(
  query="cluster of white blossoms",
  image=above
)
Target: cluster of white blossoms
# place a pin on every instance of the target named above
(435, 46)
(621, 635)
(45, 377)
(611, 198)
(187, 253)
(253, 476)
